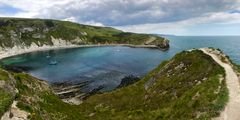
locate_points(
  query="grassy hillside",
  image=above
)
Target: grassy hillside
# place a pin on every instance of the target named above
(16, 31)
(186, 87)
(7, 91)
(189, 86)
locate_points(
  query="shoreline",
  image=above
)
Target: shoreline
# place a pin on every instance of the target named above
(73, 100)
(12, 52)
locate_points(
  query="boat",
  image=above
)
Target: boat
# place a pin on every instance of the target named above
(48, 56)
(53, 62)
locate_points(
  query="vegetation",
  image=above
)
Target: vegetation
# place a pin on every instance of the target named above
(6, 95)
(5, 101)
(44, 104)
(4, 75)
(181, 88)
(189, 86)
(225, 58)
(237, 67)
(26, 31)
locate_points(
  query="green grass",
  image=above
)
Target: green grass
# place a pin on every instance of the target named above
(5, 101)
(167, 99)
(4, 75)
(185, 87)
(44, 104)
(236, 67)
(65, 30)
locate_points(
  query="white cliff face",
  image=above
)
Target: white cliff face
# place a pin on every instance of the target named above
(20, 49)
(60, 42)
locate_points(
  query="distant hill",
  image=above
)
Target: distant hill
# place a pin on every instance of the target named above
(21, 33)
(165, 35)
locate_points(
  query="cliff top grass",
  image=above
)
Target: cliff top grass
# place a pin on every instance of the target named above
(238, 68)
(186, 87)
(6, 95)
(19, 31)
(5, 101)
(189, 86)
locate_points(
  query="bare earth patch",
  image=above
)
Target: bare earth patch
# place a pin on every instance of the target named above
(14, 113)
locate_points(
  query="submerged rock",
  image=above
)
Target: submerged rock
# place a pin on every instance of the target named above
(17, 69)
(128, 80)
(67, 90)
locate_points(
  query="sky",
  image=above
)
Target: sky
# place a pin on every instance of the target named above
(175, 17)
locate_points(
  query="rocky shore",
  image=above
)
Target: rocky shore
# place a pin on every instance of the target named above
(20, 36)
(70, 93)
(33, 48)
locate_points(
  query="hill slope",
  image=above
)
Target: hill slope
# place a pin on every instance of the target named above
(189, 86)
(231, 111)
(22, 33)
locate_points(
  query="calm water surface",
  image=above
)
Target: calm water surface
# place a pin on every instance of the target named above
(101, 65)
(108, 65)
(230, 45)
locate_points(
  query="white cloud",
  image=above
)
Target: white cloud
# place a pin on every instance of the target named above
(180, 27)
(32, 8)
(163, 28)
(120, 12)
(152, 16)
(71, 19)
(93, 23)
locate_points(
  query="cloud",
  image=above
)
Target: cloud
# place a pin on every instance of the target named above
(73, 19)
(31, 8)
(120, 12)
(183, 26)
(173, 16)
(129, 12)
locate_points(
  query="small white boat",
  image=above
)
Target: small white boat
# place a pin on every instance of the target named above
(53, 62)
(48, 56)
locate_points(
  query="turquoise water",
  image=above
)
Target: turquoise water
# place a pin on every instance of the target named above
(101, 65)
(108, 65)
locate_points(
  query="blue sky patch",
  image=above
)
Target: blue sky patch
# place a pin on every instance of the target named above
(7, 9)
(235, 11)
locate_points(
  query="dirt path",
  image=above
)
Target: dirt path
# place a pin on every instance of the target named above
(150, 40)
(14, 113)
(232, 108)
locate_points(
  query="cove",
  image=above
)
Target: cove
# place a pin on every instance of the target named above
(107, 66)
(101, 66)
